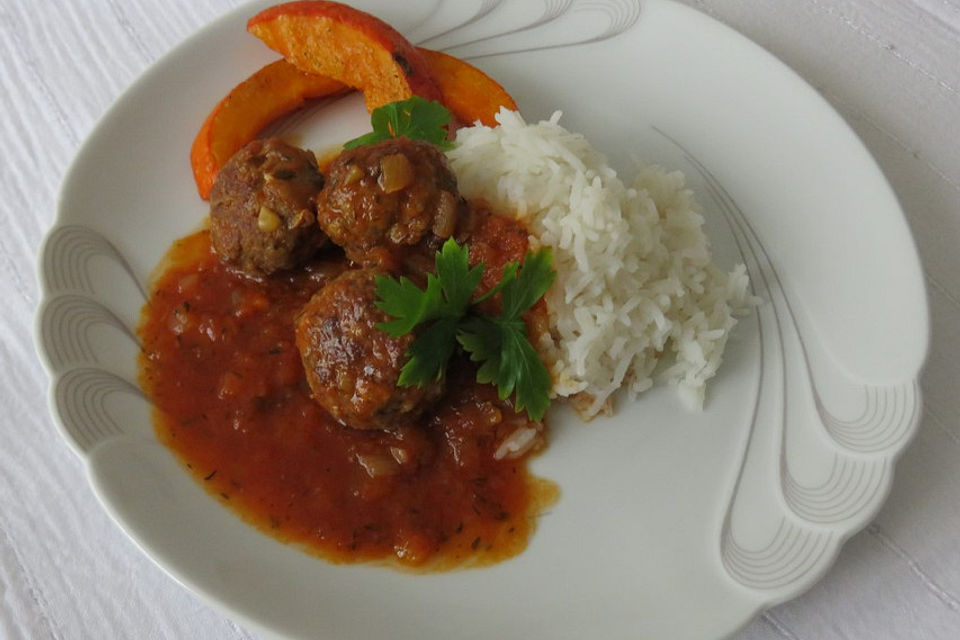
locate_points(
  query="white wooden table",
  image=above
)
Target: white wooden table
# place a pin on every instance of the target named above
(890, 67)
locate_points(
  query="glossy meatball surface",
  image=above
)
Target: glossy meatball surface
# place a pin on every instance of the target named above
(263, 208)
(379, 200)
(352, 367)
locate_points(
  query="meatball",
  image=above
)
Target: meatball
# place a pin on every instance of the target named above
(352, 367)
(381, 199)
(263, 208)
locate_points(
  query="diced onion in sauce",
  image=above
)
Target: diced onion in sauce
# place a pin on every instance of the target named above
(377, 465)
(445, 220)
(267, 220)
(396, 172)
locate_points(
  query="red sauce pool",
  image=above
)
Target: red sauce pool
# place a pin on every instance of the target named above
(220, 364)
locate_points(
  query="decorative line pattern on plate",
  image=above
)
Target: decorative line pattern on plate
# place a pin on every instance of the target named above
(888, 417)
(65, 322)
(74, 306)
(802, 511)
(850, 485)
(81, 398)
(298, 120)
(444, 19)
(496, 28)
(67, 255)
(888, 414)
(552, 9)
(789, 555)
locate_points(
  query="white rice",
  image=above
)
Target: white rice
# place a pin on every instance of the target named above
(636, 298)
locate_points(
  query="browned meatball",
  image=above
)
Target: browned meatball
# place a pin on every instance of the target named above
(384, 198)
(352, 366)
(263, 208)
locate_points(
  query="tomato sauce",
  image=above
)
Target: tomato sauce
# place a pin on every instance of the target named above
(220, 364)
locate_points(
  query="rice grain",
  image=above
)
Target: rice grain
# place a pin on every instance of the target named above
(636, 293)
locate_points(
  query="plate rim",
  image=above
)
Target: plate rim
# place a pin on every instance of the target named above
(178, 48)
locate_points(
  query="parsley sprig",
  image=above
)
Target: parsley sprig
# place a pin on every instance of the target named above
(448, 311)
(416, 118)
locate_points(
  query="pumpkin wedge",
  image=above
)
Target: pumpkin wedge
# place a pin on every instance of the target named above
(469, 93)
(274, 91)
(348, 45)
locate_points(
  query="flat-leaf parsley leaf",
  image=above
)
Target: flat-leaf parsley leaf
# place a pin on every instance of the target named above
(443, 302)
(415, 118)
(501, 344)
(447, 309)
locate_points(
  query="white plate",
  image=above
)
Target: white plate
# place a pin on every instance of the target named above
(671, 523)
